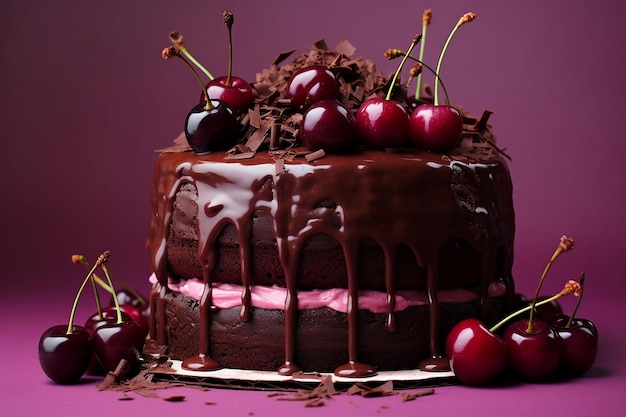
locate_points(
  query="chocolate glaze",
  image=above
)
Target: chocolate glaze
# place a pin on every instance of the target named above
(415, 201)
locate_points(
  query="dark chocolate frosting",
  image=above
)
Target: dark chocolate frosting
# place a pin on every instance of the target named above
(407, 201)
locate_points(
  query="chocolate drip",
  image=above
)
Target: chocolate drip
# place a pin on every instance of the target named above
(417, 200)
(390, 287)
(353, 369)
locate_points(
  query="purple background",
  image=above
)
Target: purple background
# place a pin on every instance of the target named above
(86, 99)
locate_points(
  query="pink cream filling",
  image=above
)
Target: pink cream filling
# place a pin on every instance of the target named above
(273, 298)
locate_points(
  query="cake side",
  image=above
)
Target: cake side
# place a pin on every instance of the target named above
(419, 221)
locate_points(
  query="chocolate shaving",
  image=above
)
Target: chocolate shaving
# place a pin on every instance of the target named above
(314, 398)
(366, 391)
(314, 156)
(282, 56)
(141, 384)
(175, 398)
(412, 395)
(346, 48)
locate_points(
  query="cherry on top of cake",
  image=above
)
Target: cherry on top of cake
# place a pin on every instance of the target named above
(332, 101)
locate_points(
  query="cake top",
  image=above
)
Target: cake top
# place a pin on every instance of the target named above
(328, 101)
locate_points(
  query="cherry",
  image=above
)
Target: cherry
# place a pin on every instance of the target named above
(64, 357)
(211, 126)
(532, 355)
(329, 126)
(236, 92)
(106, 316)
(113, 342)
(138, 314)
(578, 344)
(384, 123)
(310, 85)
(65, 350)
(477, 356)
(436, 128)
(134, 306)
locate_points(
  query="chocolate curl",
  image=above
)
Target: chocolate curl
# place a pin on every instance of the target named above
(275, 134)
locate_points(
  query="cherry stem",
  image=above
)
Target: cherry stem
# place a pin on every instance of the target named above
(530, 307)
(466, 18)
(443, 87)
(425, 23)
(531, 327)
(228, 21)
(115, 300)
(83, 261)
(416, 39)
(101, 261)
(208, 105)
(197, 64)
(580, 297)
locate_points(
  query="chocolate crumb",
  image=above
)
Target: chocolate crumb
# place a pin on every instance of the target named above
(411, 395)
(175, 398)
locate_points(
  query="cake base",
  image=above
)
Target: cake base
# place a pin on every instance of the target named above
(272, 381)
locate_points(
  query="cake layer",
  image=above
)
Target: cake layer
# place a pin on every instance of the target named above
(322, 338)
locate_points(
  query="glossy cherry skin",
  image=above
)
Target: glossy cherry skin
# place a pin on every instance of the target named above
(436, 128)
(532, 356)
(117, 341)
(578, 344)
(329, 126)
(238, 95)
(109, 316)
(310, 85)
(211, 130)
(64, 357)
(476, 355)
(383, 123)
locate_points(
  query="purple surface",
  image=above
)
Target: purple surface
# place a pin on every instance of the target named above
(86, 99)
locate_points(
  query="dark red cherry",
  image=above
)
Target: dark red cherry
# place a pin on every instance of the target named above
(64, 357)
(383, 123)
(476, 355)
(116, 341)
(238, 95)
(532, 356)
(107, 316)
(329, 126)
(311, 85)
(436, 128)
(211, 129)
(578, 344)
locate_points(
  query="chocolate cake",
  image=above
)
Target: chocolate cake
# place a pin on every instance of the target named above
(267, 259)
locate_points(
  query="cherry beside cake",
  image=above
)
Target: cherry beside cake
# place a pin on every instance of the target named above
(303, 247)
